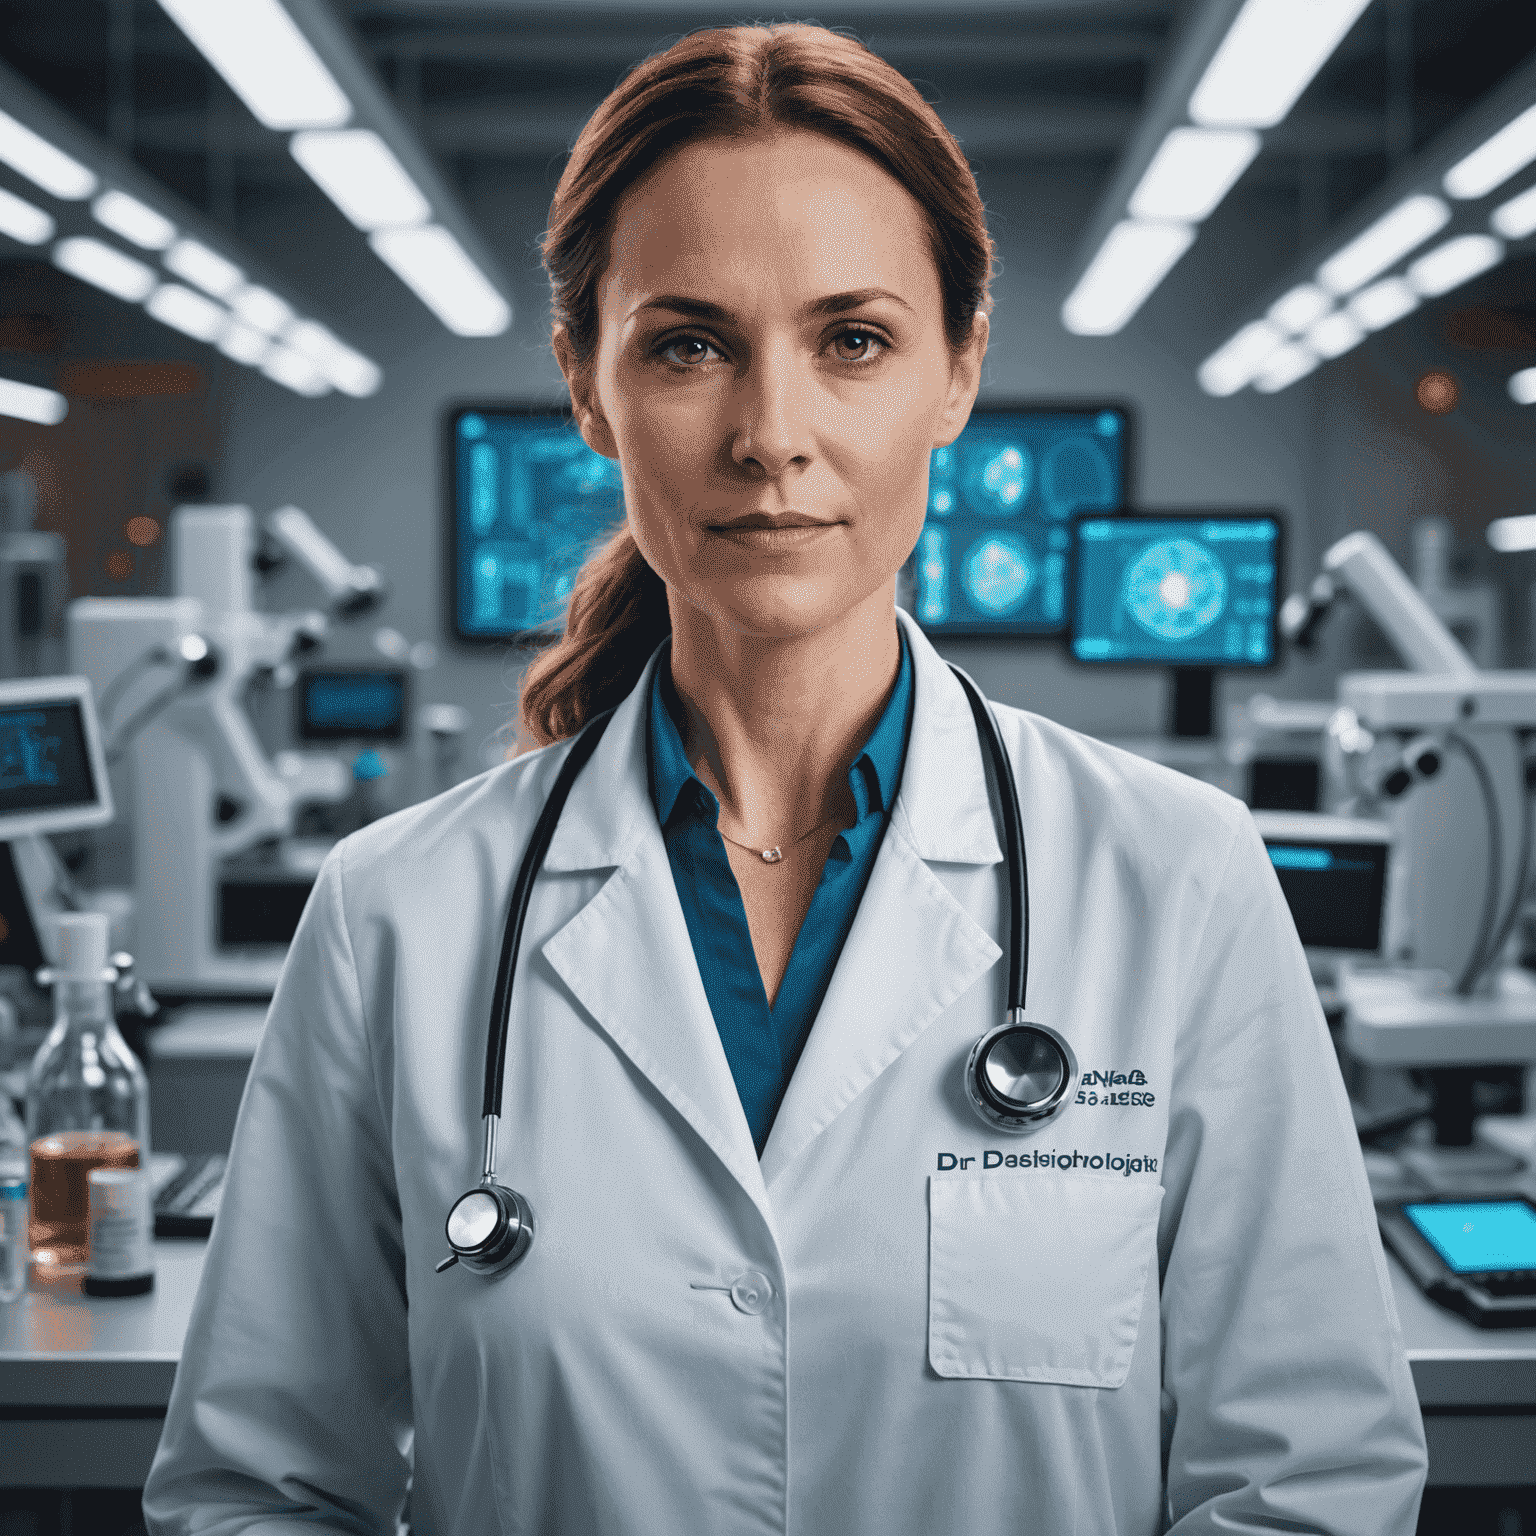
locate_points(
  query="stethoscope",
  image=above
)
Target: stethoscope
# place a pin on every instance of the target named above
(1018, 1077)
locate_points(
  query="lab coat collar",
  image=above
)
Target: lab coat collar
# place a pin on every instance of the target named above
(913, 949)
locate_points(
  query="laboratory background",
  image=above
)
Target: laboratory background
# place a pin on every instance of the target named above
(290, 496)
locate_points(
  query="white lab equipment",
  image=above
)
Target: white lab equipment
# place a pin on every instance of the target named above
(218, 877)
(34, 584)
(1471, 610)
(1034, 1313)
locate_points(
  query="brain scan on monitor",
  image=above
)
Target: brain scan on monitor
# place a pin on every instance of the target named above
(1175, 591)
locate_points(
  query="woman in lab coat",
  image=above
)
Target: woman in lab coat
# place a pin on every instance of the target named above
(784, 1279)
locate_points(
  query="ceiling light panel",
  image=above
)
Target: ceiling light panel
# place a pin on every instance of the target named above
(1268, 58)
(188, 312)
(1193, 169)
(1300, 309)
(107, 268)
(1450, 265)
(1233, 365)
(1522, 388)
(1133, 260)
(22, 222)
(1289, 364)
(295, 371)
(433, 265)
(1517, 218)
(1383, 303)
(244, 343)
(358, 171)
(265, 60)
(1510, 150)
(133, 220)
(1391, 237)
(26, 402)
(262, 310)
(204, 268)
(1510, 534)
(37, 160)
(1335, 334)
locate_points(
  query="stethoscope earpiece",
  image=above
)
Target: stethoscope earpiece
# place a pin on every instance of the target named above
(489, 1229)
(1020, 1076)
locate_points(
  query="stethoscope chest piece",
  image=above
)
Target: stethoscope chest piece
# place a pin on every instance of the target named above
(489, 1229)
(1020, 1076)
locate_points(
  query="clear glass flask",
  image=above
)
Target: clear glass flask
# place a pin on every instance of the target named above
(87, 1099)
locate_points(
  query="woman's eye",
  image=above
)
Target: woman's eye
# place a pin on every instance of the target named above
(865, 338)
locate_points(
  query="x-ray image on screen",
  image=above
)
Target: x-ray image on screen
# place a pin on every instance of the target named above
(992, 555)
(1196, 591)
(530, 499)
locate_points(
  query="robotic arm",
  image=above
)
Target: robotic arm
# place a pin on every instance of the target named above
(353, 590)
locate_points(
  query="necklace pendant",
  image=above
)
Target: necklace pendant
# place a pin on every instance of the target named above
(771, 855)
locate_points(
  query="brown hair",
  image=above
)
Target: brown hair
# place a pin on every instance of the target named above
(723, 82)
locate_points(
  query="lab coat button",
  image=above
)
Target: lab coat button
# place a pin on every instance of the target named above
(752, 1292)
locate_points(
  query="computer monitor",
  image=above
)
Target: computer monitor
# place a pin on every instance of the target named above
(993, 553)
(527, 501)
(356, 703)
(1177, 589)
(1333, 870)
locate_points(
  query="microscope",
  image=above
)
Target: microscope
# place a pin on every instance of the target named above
(219, 877)
(1442, 754)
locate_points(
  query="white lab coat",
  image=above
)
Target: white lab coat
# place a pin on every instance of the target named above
(1198, 1336)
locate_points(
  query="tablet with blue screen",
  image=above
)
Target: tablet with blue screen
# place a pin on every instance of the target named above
(1475, 1255)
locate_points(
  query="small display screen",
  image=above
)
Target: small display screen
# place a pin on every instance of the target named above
(44, 764)
(992, 556)
(1334, 891)
(357, 704)
(1183, 592)
(1479, 1236)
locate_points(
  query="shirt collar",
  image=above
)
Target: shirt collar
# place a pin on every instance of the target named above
(873, 778)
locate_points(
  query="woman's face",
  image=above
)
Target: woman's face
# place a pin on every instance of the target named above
(763, 404)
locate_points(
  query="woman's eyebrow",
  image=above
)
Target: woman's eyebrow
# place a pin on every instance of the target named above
(830, 304)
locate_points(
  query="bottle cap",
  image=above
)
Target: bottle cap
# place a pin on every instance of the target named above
(82, 946)
(12, 1188)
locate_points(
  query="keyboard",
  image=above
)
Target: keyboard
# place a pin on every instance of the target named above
(187, 1188)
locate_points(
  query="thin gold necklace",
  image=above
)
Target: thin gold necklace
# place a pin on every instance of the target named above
(775, 854)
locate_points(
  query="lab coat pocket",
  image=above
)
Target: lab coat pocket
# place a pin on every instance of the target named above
(1038, 1277)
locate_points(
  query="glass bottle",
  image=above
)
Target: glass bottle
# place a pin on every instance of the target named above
(87, 1099)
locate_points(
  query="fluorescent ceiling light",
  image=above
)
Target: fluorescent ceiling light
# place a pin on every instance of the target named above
(1268, 58)
(434, 266)
(1511, 149)
(188, 312)
(1285, 367)
(358, 171)
(27, 402)
(1192, 171)
(1301, 308)
(244, 344)
(295, 371)
(1522, 390)
(1509, 535)
(1517, 218)
(349, 371)
(204, 268)
(265, 60)
(263, 310)
(106, 267)
(21, 221)
(1335, 334)
(1383, 303)
(1232, 366)
(1450, 265)
(1133, 260)
(1393, 235)
(40, 162)
(133, 220)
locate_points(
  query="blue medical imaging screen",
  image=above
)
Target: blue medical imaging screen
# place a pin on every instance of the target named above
(354, 703)
(1334, 890)
(992, 556)
(44, 763)
(529, 501)
(1476, 1236)
(1181, 592)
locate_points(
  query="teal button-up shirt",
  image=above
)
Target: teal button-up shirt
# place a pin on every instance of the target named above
(761, 1043)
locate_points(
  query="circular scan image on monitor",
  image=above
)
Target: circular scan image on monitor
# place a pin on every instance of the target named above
(998, 479)
(1076, 475)
(998, 572)
(1174, 590)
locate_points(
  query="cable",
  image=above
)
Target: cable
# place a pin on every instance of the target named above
(1495, 871)
(1517, 896)
(140, 718)
(111, 695)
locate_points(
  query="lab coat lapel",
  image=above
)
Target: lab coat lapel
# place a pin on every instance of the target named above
(627, 956)
(913, 948)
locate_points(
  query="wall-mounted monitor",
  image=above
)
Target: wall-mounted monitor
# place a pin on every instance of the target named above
(527, 501)
(1177, 589)
(993, 554)
(356, 703)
